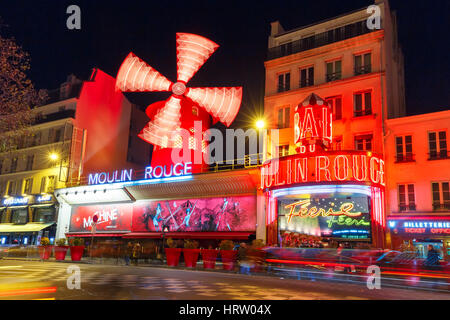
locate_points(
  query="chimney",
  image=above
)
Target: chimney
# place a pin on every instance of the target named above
(276, 28)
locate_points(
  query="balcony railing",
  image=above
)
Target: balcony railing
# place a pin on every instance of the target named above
(407, 207)
(409, 157)
(306, 83)
(334, 76)
(360, 113)
(283, 88)
(442, 154)
(441, 206)
(320, 39)
(363, 69)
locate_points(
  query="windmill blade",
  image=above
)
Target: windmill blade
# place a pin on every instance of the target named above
(221, 103)
(162, 129)
(192, 52)
(136, 75)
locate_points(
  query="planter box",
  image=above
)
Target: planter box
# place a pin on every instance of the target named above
(209, 257)
(45, 252)
(173, 256)
(76, 252)
(228, 259)
(191, 257)
(60, 252)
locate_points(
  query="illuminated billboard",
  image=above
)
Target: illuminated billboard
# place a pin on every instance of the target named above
(343, 216)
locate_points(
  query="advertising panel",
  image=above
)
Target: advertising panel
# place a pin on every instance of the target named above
(334, 216)
(210, 214)
(115, 217)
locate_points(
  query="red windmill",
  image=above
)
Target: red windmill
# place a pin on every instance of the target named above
(185, 105)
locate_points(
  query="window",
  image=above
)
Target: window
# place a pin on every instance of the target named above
(10, 187)
(335, 104)
(57, 135)
(1, 166)
(3, 216)
(51, 184)
(437, 142)
(284, 82)
(14, 164)
(45, 215)
(28, 186)
(403, 146)
(441, 195)
(284, 117)
(306, 77)
(406, 197)
(362, 104)
(363, 64)
(36, 139)
(19, 216)
(286, 49)
(195, 111)
(337, 144)
(283, 150)
(334, 70)
(363, 142)
(30, 160)
(43, 185)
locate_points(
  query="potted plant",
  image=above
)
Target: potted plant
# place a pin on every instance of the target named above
(76, 248)
(61, 249)
(172, 253)
(191, 253)
(209, 257)
(228, 254)
(45, 249)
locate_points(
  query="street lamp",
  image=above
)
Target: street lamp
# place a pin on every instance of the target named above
(53, 156)
(260, 125)
(164, 230)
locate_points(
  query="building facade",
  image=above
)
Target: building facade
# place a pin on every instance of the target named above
(418, 171)
(71, 134)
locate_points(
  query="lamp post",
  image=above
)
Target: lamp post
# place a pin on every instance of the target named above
(164, 230)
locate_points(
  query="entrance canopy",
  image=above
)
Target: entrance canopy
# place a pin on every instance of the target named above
(29, 227)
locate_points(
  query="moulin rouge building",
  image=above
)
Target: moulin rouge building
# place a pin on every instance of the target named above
(330, 89)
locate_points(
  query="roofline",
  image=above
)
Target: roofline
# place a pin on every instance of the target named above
(419, 117)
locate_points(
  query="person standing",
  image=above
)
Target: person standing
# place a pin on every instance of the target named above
(128, 252)
(433, 258)
(136, 252)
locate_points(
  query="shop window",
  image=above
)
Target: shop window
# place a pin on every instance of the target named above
(335, 104)
(306, 77)
(406, 197)
(363, 142)
(19, 216)
(44, 215)
(403, 148)
(3, 216)
(284, 82)
(437, 142)
(284, 117)
(441, 195)
(362, 104)
(334, 70)
(363, 63)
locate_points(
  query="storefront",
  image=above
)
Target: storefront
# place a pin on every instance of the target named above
(24, 220)
(315, 200)
(206, 207)
(416, 233)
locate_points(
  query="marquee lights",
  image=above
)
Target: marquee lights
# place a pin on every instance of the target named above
(345, 166)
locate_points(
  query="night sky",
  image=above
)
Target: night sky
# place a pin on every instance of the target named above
(110, 29)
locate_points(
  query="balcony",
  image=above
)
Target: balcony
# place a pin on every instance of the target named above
(437, 206)
(407, 207)
(320, 39)
(361, 113)
(334, 76)
(442, 154)
(363, 69)
(70, 113)
(409, 157)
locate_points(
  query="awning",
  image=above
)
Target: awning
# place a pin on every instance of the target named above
(29, 227)
(80, 235)
(190, 235)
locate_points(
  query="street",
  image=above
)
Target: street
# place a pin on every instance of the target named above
(20, 279)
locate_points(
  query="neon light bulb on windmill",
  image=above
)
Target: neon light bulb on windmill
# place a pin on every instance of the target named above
(192, 52)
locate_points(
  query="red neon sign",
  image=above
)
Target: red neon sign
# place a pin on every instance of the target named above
(324, 167)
